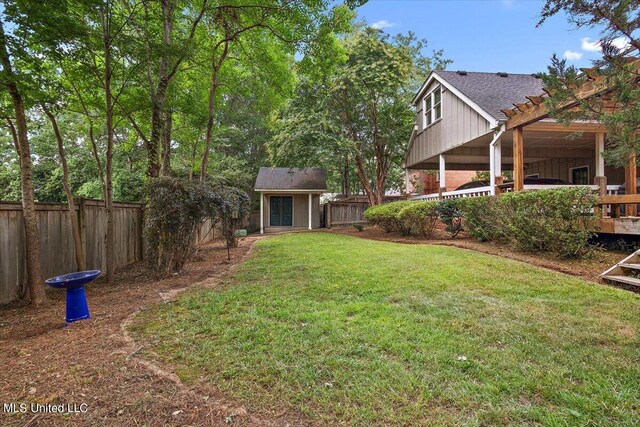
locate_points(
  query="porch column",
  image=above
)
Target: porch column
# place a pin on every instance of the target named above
(518, 159)
(495, 164)
(600, 180)
(261, 213)
(442, 175)
(310, 209)
(631, 175)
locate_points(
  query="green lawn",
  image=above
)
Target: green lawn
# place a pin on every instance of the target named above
(358, 332)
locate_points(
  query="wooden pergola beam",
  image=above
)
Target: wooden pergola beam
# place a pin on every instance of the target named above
(536, 100)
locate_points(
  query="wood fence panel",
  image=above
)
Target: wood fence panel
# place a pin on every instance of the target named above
(57, 251)
(345, 213)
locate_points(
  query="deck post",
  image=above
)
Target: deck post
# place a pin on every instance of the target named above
(518, 159)
(442, 185)
(261, 213)
(630, 183)
(601, 182)
(310, 209)
(599, 156)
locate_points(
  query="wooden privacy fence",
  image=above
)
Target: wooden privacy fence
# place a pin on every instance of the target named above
(57, 251)
(340, 214)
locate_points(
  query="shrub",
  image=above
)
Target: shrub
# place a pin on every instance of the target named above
(175, 210)
(482, 218)
(451, 215)
(419, 218)
(386, 216)
(235, 206)
(560, 220)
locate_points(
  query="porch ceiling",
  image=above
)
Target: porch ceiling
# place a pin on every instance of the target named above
(542, 141)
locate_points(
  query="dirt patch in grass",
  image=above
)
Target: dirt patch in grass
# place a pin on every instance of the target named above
(588, 268)
(93, 362)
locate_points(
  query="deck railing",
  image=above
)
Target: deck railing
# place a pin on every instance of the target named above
(507, 188)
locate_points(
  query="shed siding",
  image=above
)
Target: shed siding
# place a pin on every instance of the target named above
(300, 210)
(459, 124)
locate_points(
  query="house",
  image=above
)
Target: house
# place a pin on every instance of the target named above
(290, 198)
(498, 121)
(461, 125)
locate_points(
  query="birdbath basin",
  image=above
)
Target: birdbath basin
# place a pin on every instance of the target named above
(77, 308)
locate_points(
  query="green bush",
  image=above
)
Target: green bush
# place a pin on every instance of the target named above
(386, 216)
(419, 218)
(176, 208)
(451, 215)
(560, 221)
(482, 218)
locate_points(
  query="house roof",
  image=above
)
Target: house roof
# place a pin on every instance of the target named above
(291, 179)
(494, 91)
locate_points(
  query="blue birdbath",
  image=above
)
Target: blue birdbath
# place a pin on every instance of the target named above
(77, 308)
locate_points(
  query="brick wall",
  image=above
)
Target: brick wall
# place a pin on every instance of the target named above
(429, 180)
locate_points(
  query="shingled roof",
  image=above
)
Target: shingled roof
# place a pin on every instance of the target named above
(494, 91)
(291, 179)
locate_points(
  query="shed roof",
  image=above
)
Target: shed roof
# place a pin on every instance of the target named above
(291, 179)
(494, 91)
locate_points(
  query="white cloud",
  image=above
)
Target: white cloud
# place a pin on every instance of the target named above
(572, 56)
(589, 46)
(382, 24)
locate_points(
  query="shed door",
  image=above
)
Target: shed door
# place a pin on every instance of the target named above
(281, 211)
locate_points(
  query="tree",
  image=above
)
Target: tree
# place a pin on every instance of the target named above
(618, 71)
(359, 117)
(10, 80)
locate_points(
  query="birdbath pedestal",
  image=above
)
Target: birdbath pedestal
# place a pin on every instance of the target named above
(77, 308)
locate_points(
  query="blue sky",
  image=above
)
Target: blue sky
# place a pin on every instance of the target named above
(486, 35)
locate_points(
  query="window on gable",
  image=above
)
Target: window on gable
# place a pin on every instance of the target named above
(432, 106)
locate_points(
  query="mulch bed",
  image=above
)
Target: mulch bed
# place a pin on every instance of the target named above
(95, 363)
(589, 268)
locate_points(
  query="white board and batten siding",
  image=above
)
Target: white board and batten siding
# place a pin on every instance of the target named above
(458, 125)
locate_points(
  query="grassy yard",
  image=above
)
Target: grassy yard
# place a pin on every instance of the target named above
(358, 332)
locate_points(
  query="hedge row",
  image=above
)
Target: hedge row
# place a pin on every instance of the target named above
(406, 217)
(560, 221)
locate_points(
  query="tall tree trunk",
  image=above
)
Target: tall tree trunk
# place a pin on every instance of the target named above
(157, 125)
(346, 178)
(166, 143)
(364, 180)
(81, 261)
(21, 140)
(108, 199)
(216, 64)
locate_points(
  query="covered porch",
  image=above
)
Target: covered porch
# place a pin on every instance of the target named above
(540, 150)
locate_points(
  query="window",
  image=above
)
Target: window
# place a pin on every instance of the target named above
(432, 106)
(579, 175)
(280, 211)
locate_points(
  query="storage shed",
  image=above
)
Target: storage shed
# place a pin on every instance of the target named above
(290, 198)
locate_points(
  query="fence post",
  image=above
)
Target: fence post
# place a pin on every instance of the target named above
(328, 214)
(82, 226)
